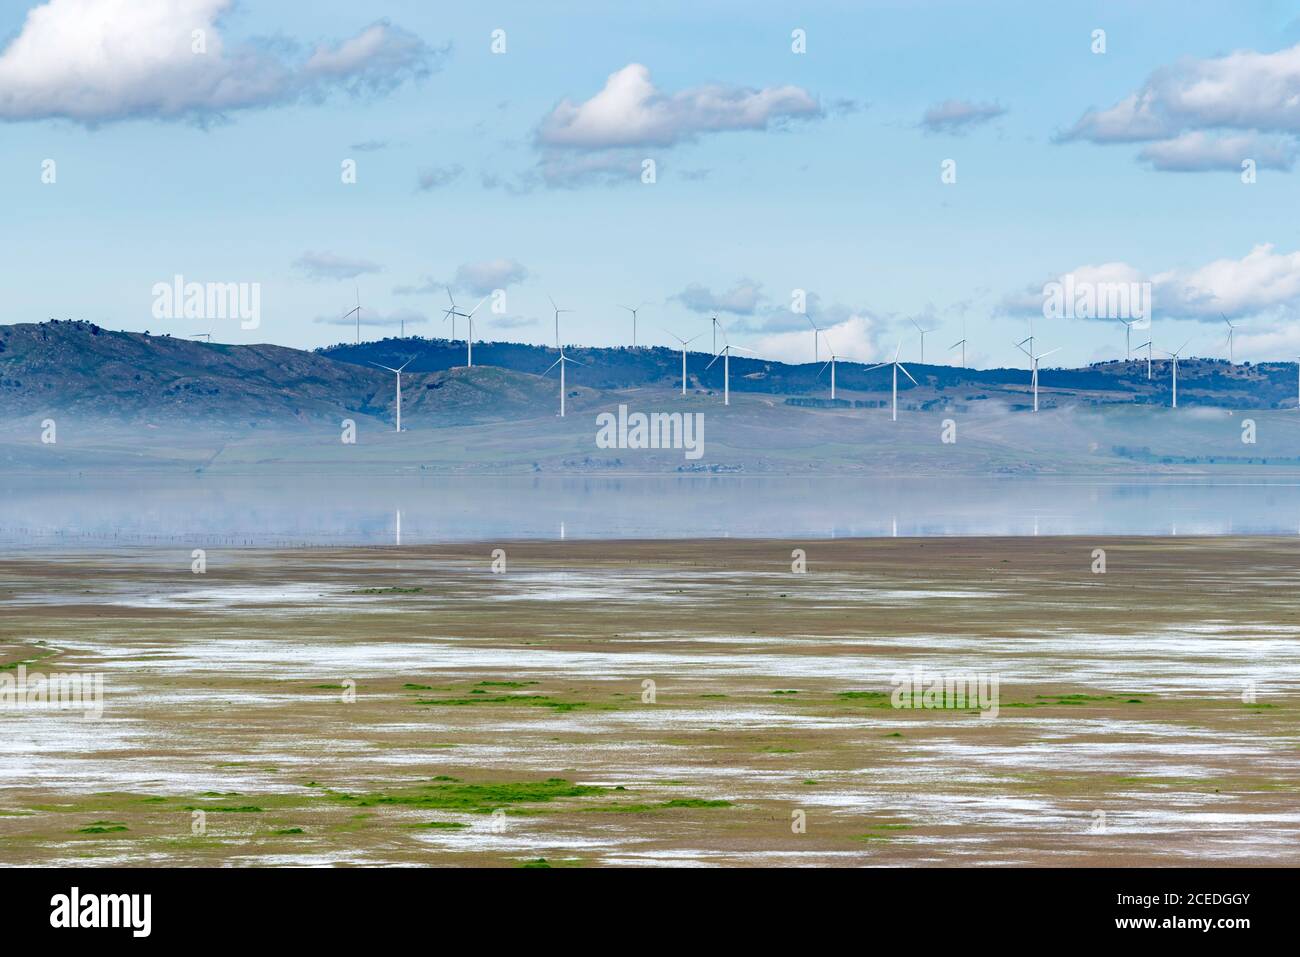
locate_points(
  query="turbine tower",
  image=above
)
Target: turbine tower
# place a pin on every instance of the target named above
(685, 343)
(897, 365)
(561, 362)
(1231, 330)
(1174, 356)
(558, 310)
(633, 310)
(962, 343)
(922, 332)
(1128, 333)
(725, 355)
(356, 310)
(1147, 346)
(398, 372)
(833, 359)
(817, 356)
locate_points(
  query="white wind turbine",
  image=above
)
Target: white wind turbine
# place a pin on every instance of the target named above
(1231, 330)
(725, 355)
(558, 310)
(469, 336)
(633, 310)
(1174, 356)
(1128, 336)
(962, 343)
(897, 365)
(833, 359)
(1147, 346)
(398, 373)
(922, 332)
(1034, 359)
(561, 362)
(714, 320)
(685, 343)
(206, 336)
(356, 310)
(817, 356)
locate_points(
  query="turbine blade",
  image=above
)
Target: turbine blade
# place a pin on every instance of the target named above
(903, 369)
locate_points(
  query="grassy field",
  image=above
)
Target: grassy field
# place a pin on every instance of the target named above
(635, 703)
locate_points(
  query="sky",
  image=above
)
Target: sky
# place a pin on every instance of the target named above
(683, 158)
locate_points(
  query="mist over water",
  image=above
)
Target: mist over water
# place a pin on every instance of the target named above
(246, 511)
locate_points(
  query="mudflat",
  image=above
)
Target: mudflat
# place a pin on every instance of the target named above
(715, 702)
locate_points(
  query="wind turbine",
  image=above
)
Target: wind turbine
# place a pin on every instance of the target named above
(962, 343)
(1297, 382)
(451, 314)
(561, 363)
(897, 365)
(1033, 361)
(1231, 330)
(714, 320)
(558, 310)
(469, 338)
(1147, 346)
(922, 332)
(633, 311)
(1174, 356)
(1128, 332)
(725, 355)
(685, 343)
(398, 372)
(817, 356)
(357, 310)
(834, 359)
(207, 336)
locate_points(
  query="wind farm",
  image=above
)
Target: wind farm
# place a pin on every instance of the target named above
(559, 548)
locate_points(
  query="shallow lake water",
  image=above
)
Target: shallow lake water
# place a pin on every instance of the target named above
(311, 510)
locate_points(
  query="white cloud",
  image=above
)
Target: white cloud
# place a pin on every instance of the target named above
(959, 116)
(482, 278)
(435, 177)
(1263, 281)
(1198, 151)
(742, 299)
(1244, 91)
(855, 339)
(97, 61)
(631, 111)
(331, 266)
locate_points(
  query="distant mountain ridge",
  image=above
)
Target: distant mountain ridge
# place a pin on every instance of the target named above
(82, 369)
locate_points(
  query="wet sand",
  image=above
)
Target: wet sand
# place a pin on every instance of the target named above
(499, 718)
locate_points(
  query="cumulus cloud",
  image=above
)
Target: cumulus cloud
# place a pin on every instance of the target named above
(482, 278)
(1242, 92)
(959, 116)
(855, 338)
(98, 61)
(603, 140)
(1197, 151)
(331, 266)
(742, 299)
(631, 111)
(1264, 281)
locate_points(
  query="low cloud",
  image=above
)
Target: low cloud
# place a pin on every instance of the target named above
(375, 318)
(959, 116)
(101, 61)
(742, 299)
(321, 266)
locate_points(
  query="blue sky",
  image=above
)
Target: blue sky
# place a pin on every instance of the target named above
(775, 171)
